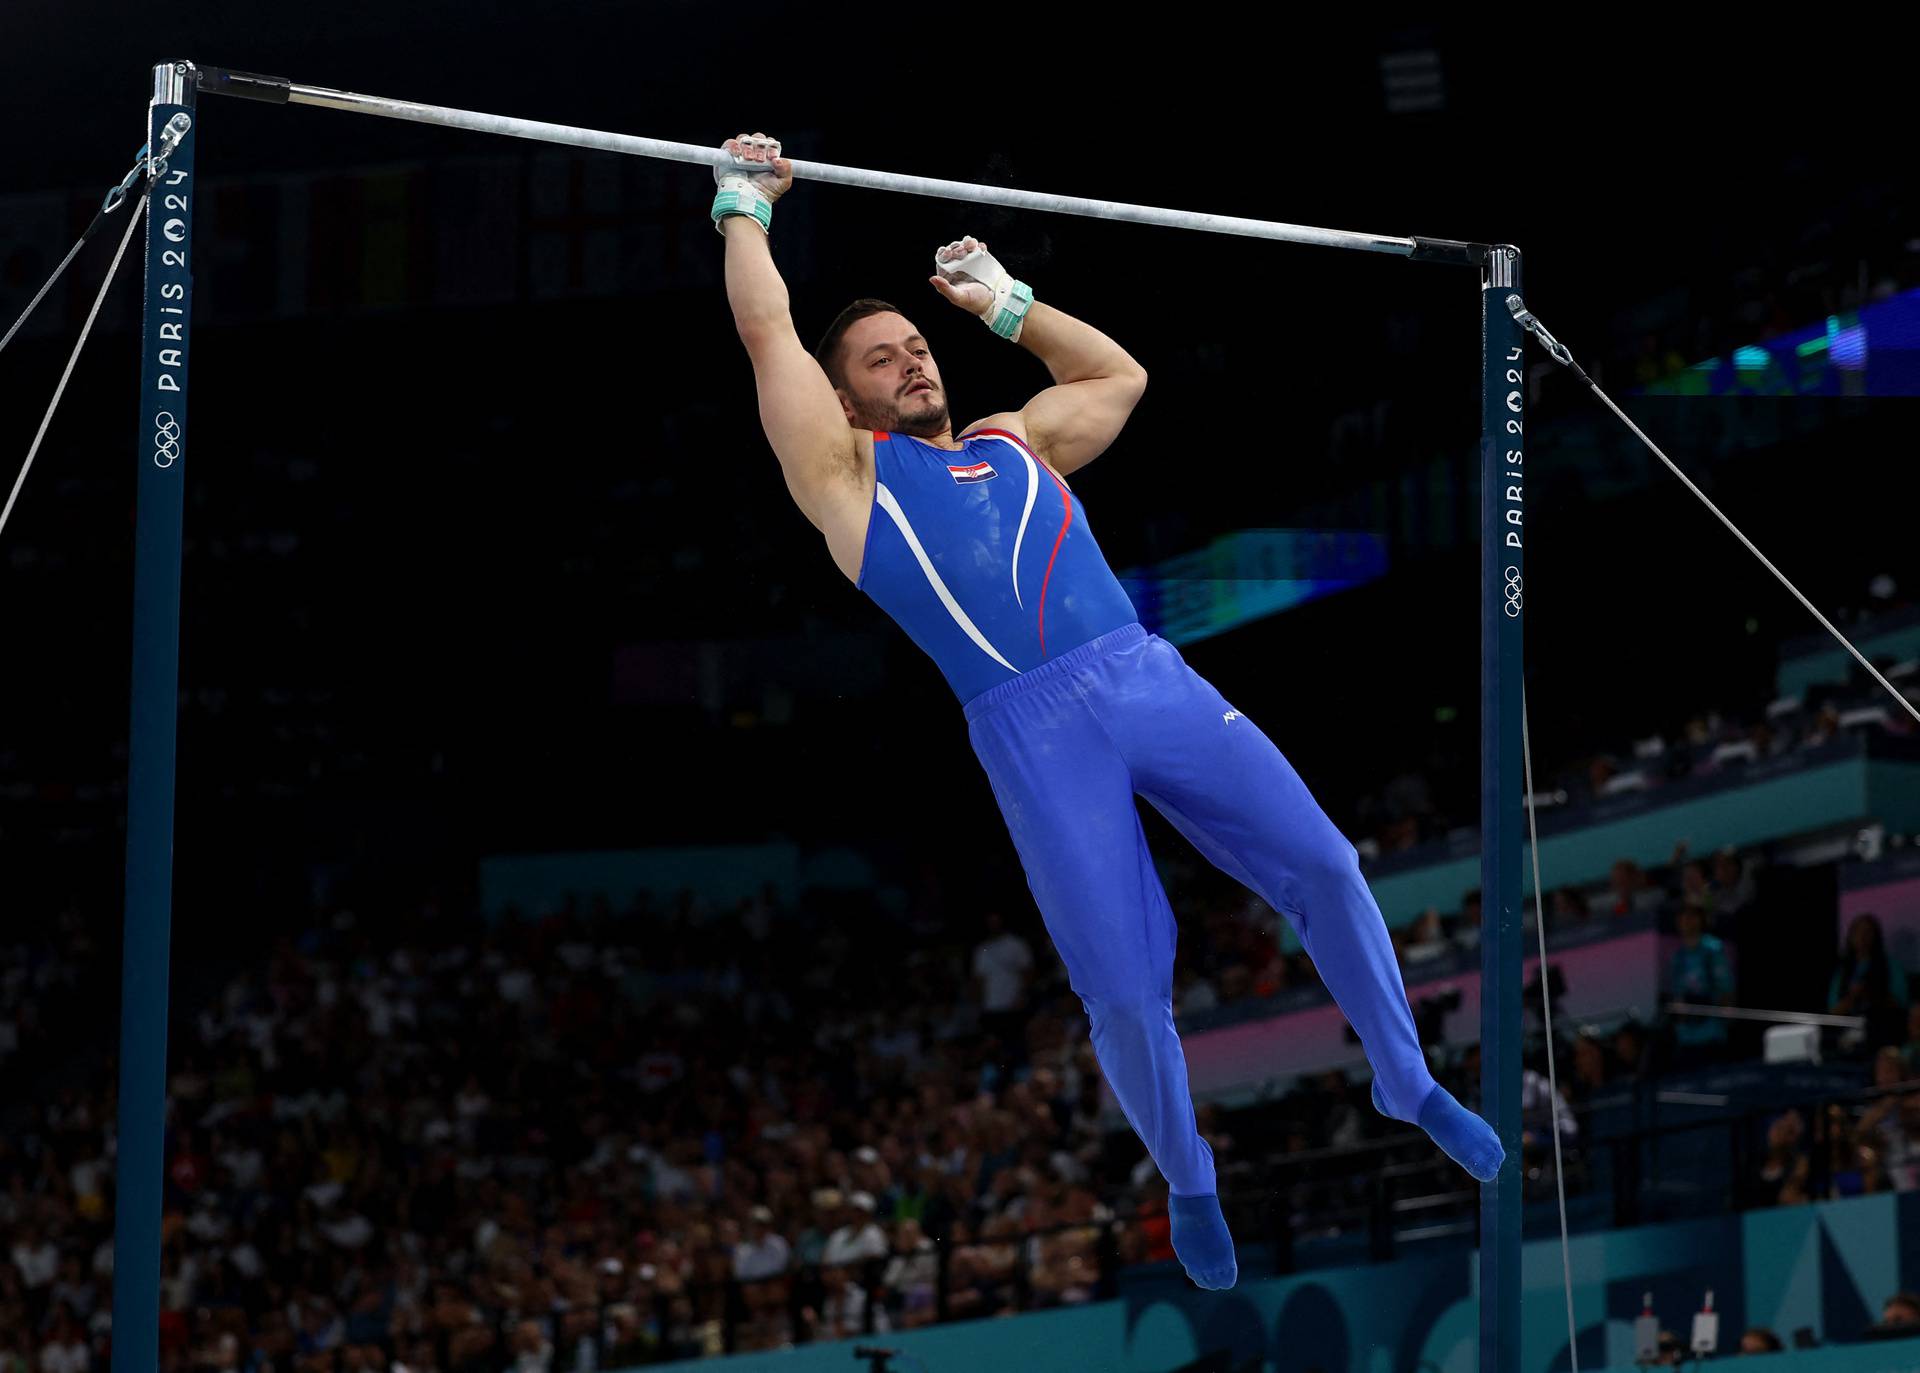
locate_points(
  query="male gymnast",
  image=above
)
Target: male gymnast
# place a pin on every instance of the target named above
(977, 548)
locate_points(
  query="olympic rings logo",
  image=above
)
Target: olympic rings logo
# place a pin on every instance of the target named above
(166, 440)
(1513, 592)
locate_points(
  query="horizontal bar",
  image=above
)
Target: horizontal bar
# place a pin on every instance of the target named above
(274, 90)
(218, 81)
(1841, 1022)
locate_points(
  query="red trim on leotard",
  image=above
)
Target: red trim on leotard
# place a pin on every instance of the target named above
(1066, 503)
(1009, 434)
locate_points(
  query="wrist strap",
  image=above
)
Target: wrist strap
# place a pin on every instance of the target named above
(1011, 301)
(739, 196)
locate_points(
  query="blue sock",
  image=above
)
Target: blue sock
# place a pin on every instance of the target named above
(1201, 1240)
(1468, 1140)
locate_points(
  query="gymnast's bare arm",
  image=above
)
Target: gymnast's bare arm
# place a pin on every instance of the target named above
(827, 463)
(1097, 385)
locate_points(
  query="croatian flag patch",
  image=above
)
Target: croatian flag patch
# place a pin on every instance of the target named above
(975, 472)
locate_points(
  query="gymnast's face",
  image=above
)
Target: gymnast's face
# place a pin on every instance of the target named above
(891, 382)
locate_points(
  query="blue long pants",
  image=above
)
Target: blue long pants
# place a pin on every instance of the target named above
(1066, 746)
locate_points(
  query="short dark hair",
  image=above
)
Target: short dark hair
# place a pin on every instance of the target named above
(827, 351)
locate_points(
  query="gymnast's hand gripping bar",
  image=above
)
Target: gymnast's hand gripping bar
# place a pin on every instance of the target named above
(279, 91)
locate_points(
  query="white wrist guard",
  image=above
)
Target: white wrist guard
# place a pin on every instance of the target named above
(1011, 299)
(738, 195)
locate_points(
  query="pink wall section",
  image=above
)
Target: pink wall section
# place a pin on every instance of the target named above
(1605, 979)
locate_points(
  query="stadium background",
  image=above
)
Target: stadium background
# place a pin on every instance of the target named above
(486, 558)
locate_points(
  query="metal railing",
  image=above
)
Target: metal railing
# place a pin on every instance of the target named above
(1345, 1193)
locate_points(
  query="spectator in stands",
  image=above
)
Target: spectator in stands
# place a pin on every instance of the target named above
(760, 1265)
(1333, 1107)
(1195, 993)
(1913, 1039)
(1869, 984)
(844, 1312)
(1539, 1118)
(1854, 1165)
(1002, 965)
(1589, 1076)
(1426, 941)
(1695, 889)
(859, 1238)
(532, 1351)
(1899, 1319)
(1785, 1160)
(1207, 1123)
(1797, 1190)
(1733, 883)
(981, 1269)
(65, 1349)
(629, 1342)
(911, 1277)
(1824, 727)
(1150, 1240)
(1696, 742)
(1889, 1070)
(1629, 1051)
(1061, 1265)
(1628, 892)
(811, 1243)
(1567, 909)
(1467, 932)
(1890, 1124)
(1271, 972)
(1701, 974)
(1760, 1340)
(36, 1258)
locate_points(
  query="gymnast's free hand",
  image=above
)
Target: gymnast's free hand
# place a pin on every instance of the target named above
(967, 274)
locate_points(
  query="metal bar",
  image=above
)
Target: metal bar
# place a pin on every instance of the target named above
(1838, 1022)
(223, 82)
(160, 450)
(1502, 565)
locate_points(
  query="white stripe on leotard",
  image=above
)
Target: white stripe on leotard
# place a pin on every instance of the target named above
(899, 517)
(1033, 489)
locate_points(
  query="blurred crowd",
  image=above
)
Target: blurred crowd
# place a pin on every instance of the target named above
(596, 1139)
(602, 1138)
(1404, 813)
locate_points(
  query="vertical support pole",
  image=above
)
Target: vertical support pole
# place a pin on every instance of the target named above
(160, 451)
(1502, 565)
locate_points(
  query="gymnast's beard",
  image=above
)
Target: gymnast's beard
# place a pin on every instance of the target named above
(924, 417)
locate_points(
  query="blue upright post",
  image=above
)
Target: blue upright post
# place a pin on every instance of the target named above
(1502, 565)
(160, 451)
